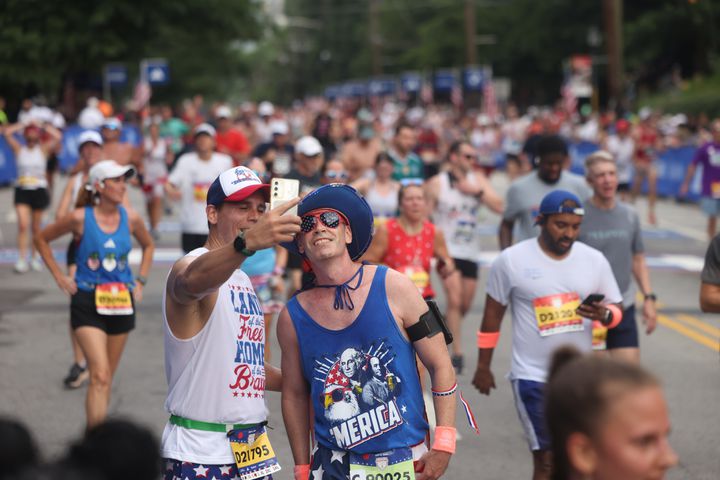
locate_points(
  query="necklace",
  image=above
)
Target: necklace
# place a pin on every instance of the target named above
(342, 291)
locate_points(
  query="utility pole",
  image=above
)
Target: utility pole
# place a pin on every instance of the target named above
(375, 41)
(470, 27)
(613, 14)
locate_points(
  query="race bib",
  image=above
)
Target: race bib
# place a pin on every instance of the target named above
(200, 191)
(113, 299)
(556, 314)
(395, 464)
(599, 336)
(26, 181)
(715, 189)
(254, 456)
(419, 277)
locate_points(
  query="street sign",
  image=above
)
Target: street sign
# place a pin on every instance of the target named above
(116, 75)
(155, 71)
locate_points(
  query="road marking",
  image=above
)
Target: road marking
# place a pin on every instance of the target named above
(692, 334)
(699, 324)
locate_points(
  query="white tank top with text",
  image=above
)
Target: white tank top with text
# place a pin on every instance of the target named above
(31, 167)
(218, 375)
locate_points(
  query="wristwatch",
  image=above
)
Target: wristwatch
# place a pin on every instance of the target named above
(651, 296)
(608, 317)
(240, 245)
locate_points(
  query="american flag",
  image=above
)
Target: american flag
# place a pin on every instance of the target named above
(489, 101)
(336, 377)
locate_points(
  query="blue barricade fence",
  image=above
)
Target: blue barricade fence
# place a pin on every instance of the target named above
(68, 152)
(671, 165)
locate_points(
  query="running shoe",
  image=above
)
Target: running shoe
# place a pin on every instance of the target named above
(76, 376)
(21, 266)
(36, 265)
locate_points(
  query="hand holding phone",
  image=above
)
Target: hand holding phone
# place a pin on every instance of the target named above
(283, 190)
(592, 298)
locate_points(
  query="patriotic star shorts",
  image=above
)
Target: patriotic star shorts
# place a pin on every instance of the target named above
(178, 470)
(330, 464)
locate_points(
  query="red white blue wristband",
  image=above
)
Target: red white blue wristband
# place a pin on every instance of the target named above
(444, 393)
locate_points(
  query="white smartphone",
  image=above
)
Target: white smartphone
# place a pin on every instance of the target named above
(283, 190)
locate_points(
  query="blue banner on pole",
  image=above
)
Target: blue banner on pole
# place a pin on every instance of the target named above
(332, 92)
(69, 154)
(473, 79)
(354, 89)
(381, 87)
(8, 171)
(411, 82)
(443, 81)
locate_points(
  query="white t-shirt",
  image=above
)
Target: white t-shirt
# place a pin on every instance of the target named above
(544, 294)
(193, 177)
(623, 149)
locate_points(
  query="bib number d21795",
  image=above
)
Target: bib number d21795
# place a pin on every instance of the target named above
(395, 464)
(254, 456)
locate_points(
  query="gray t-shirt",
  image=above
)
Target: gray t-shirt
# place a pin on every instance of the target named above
(526, 193)
(616, 233)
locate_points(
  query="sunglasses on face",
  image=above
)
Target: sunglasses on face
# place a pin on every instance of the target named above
(329, 218)
(332, 175)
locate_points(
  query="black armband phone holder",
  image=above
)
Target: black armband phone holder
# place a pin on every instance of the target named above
(431, 323)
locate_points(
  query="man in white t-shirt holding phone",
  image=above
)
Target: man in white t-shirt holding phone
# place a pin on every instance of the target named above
(553, 285)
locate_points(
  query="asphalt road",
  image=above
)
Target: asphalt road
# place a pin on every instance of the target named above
(683, 352)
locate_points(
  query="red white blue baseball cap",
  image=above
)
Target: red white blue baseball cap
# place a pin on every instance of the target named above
(235, 185)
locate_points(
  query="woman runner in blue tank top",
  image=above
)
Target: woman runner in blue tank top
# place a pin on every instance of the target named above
(103, 291)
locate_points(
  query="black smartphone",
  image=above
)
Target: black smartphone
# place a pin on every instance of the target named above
(592, 298)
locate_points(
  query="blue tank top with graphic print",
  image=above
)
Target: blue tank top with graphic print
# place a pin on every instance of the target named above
(103, 257)
(363, 379)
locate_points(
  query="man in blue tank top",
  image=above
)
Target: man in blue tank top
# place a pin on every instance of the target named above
(347, 352)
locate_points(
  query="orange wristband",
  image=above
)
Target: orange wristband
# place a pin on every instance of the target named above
(487, 339)
(444, 439)
(301, 472)
(616, 315)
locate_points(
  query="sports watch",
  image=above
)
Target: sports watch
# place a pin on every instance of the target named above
(240, 245)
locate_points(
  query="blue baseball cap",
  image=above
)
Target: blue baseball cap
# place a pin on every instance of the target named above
(346, 200)
(554, 201)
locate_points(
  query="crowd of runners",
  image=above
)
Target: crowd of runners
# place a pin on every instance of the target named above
(388, 194)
